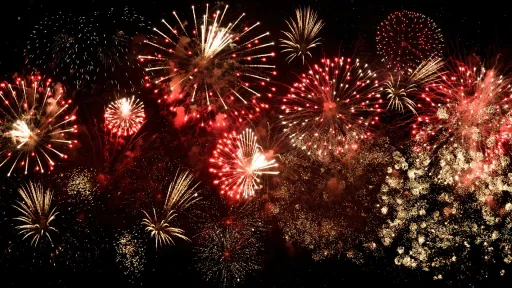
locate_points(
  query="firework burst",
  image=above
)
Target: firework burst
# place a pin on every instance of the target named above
(212, 66)
(239, 164)
(125, 116)
(181, 194)
(403, 89)
(302, 34)
(332, 107)
(405, 39)
(36, 125)
(37, 214)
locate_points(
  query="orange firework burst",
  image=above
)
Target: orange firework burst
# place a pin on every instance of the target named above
(213, 66)
(240, 162)
(125, 116)
(330, 110)
(35, 124)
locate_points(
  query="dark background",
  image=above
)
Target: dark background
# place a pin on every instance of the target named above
(482, 28)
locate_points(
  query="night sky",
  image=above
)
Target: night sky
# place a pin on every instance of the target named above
(482, 28)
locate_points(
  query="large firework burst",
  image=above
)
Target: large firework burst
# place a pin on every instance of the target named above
(211, 65)
(332, 107)
(36, 124)
(37, 214)
(181, 194)
(302, 34)
(405, 39)
(125, 116)
(239, 162)
(85, 46)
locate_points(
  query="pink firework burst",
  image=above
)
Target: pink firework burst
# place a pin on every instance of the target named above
(36, 124)
(125, 116)
(406, 38)
(210, 65)
(239, 162)
(331, 108)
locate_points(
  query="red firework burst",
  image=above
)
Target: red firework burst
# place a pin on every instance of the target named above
(330, 110)
(239, 162)
(125, 116)
(405, 39)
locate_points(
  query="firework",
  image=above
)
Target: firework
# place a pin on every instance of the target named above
(125, 116)
(330, 110)
(401, 88)
(130, 254)
(181, 195)
(302, 34)
(37, 214)
(85, 47)
(36, 125)
(239, 164)
(210, 66)
(231, 248)
(470, 122)
(405, 39)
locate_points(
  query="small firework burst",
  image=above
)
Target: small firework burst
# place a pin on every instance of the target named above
(231, 248)
(407, 38)
(302, 34)
(130, 254)
(181, 195)
(125, 116)
(211, 66)
(405, 89)
(331, 109)
(239, 164)
(36, 125)
(37, 212)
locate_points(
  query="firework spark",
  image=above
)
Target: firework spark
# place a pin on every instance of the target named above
(181, 195)
(399, 91)
(125, 116)
(302, 34)
(240, 162)
(130, 254)
(211, 66)
(407, 38)
(36, 125)
(37, 214)
(330, 110)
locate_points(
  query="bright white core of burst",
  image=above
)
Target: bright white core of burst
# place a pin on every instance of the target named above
(126, 108)
(21, 133)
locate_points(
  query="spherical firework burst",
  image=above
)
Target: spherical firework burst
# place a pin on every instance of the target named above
(125, 116)
(181, 194)
(84, 47)
(37, 212)
(231, 248)
(405, 89)
(302, 34)
(332, 107)
(471, 121)
(211, 64)
(239, 164)
(36, 125)
(405, 39)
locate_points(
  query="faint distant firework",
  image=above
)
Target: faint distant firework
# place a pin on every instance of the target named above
(331, 109)
(301, 35)
(231, 248)
(181, 194)
(238, 163)
(405, 39)
(36, 125)
(211, 65)
(405, 90)
(125, 116)
(37, 213)
(84, 47)
(470, 124)
(130, 254)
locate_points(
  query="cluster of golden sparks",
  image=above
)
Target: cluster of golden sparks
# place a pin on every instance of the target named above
(447, 198)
